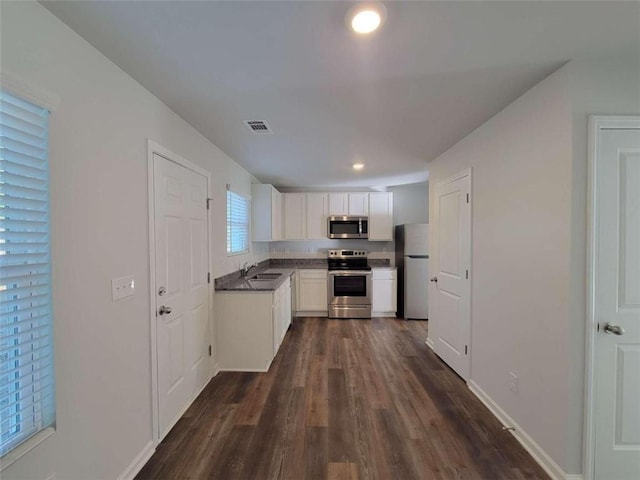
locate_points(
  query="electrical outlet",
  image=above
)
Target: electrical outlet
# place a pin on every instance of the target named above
(122, 287)
(513, 382)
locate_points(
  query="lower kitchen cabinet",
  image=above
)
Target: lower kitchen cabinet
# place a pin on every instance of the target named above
(311, 292)
(384, 292)
(251, 327)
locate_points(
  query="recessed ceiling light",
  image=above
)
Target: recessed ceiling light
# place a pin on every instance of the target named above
(358, 166)
(366, 18)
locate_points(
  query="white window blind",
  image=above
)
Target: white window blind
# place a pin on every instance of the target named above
(237, 223)
(26, 357)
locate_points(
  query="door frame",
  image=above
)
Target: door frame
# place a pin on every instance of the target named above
(154, 148)
(467, 172)
(597, 123)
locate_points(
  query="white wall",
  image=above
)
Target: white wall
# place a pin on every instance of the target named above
(528, 255)
(99, 231)
(521, 177)
(410, 203)
(610, 87)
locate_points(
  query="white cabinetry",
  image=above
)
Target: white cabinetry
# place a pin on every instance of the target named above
(281, 314)
(312, 292)
(349, 204)
(381, 216)
(338, 204)
(305, 214)
(251, 326)
(295, 213)
(317, 213)
(359, 204)
(384, 292)
(266, 213)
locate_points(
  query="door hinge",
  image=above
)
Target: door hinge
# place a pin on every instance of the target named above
(467, 274)
(209, 350)
(208, 277)
(209, 202)
(466, 350)
(467, 198)
(598, 327)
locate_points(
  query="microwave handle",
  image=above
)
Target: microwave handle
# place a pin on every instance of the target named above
(359, 226)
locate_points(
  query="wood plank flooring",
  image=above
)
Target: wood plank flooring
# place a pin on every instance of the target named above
(344, 399)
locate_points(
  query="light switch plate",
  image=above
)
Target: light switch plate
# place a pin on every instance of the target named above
(122, 287)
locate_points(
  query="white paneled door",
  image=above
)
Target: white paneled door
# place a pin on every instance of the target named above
(617, 305)
(182, 300)
(450, 314)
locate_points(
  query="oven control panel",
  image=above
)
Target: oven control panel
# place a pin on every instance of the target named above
(347, 253)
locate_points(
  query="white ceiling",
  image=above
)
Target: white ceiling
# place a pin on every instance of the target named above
(394, 100)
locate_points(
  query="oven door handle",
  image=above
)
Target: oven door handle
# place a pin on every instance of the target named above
(350, 273)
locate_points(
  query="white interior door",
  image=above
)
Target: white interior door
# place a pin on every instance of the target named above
(450, 319)
(617, 306)
(182, 300)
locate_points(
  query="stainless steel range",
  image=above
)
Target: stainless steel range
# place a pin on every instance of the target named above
(349, 285)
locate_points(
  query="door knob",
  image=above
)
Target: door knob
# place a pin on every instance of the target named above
(613, 329)
(164, 310)
(434, 279)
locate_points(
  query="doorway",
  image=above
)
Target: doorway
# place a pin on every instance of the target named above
(612, 440)
(180, 288)
(450, 314)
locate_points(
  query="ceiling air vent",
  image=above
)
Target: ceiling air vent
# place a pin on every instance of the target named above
(257, 126)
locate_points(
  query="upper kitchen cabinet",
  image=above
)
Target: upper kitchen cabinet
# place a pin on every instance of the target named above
(266, 213)
(295, 216)
(317, 213)
(381, 216)
(355, 204)
(358, 204)
(338, 204)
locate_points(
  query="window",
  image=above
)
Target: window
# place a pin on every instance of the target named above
(237, 223)
(26, 356)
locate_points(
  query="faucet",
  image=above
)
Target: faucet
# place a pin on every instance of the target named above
(244, 271)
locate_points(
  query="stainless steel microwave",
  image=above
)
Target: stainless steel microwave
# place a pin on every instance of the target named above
(348, 227)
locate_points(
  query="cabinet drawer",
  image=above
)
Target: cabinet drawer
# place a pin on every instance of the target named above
(312, 274)
(384, 273)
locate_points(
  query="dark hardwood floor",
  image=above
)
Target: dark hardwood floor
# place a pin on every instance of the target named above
(344, 399)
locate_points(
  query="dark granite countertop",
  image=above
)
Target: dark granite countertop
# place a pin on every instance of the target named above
(233, 282)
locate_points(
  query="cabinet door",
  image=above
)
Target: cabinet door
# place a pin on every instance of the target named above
(286, 302)
(359, 204)
(381, 216)
(277, 323)
(312, 291)
(338, 204)
(384, 290)
(294, 216)
(276, 215)
(317, 207)
(384, 296)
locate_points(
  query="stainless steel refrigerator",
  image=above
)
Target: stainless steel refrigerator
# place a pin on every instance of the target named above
(412, 260)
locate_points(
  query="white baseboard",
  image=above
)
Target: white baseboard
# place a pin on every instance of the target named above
(216, 370)
(529, 444)
(430, 344)
(143, 457)
(574, 476)
(249, 370)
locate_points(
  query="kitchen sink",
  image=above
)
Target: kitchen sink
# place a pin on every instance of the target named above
(266, 276)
